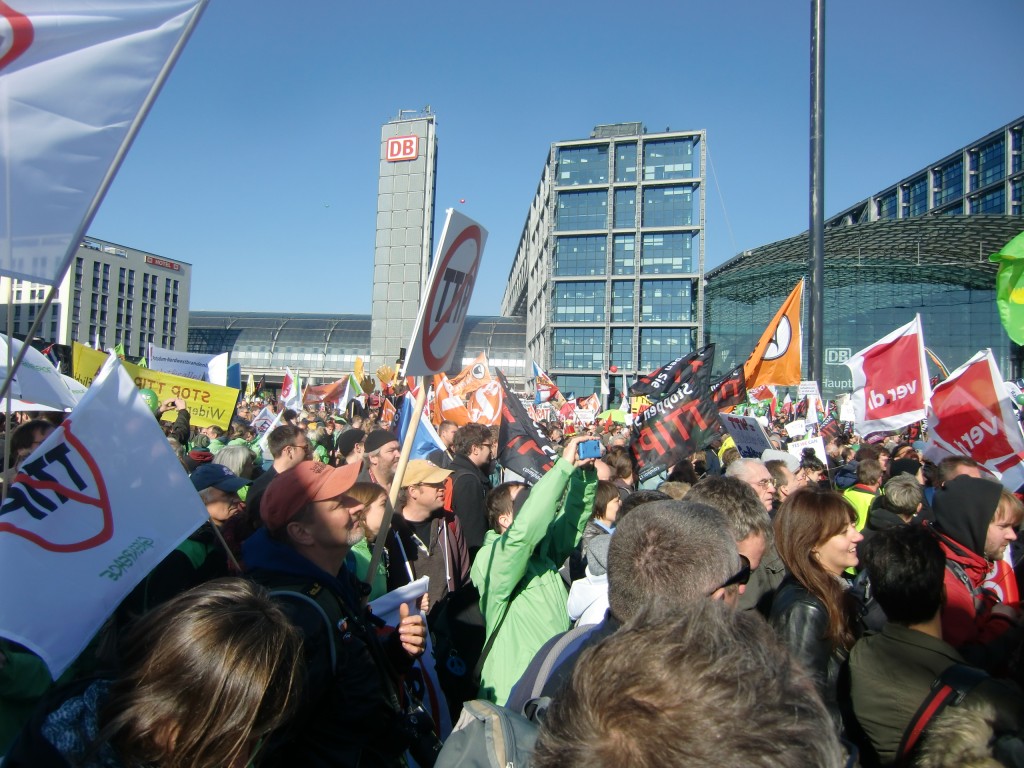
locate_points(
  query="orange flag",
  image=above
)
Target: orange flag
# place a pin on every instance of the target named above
(472, 377)
(447, 404)
(485, 405)
(776, 358)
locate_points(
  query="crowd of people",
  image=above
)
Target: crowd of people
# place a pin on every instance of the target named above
(782, 610)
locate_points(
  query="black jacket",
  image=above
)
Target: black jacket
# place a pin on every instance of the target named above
(800, 620)
(469, 492)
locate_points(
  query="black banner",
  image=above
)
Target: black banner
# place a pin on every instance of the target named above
(523, 448)
(661, 383)
(679, 423)
(730, 390)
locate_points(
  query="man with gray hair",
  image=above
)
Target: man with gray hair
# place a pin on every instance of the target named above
(751, 527)
(755, 474)
(665, 688)
(671, 552)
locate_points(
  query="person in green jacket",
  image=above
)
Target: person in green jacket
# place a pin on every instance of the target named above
(522, 596)
(863, 492)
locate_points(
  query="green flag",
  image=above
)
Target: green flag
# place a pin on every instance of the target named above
(119, 350)
(1010, 287)
(142, 363)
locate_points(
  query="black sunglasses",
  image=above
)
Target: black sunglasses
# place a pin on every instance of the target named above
(742, 576)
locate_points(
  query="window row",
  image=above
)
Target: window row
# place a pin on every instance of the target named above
(661, 301)
(662, 253)
(584, 348)
(663, 159)
(673, 206)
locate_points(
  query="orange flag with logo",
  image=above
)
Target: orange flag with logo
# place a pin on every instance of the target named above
(447, 404)
(472, 377)
(776, 358)
(485, 405)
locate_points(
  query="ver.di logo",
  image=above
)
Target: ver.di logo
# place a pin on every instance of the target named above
(16, 34)
(35, 506)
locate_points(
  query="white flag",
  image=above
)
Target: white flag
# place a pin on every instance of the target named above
(291, 395)
(92, 511)
(76, 81)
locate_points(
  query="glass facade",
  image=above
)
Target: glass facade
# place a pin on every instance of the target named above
(622, 301)
(948, 183)
(671, 159)
(990, 202)
(325, 346)
(624, 255)
(915, 197)
(668, 253)
(988, 164)
(581, 256)
(669, 206)
(661, 345)
(579, 302)
(578, 386)
(665, 301)
(579, 348)
(625, 162)
(622, 348)
(888, 206)
(625, 208)
(582, 210)
(582, 165)
(876, 279)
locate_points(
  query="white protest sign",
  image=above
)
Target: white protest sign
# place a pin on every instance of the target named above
(807, 388)
(796, 429)
(423, 678)
(191, 365)
(846, 411)
(750, 438)
(92, 510)
(797, 448)
(585, 415)
(446, 298)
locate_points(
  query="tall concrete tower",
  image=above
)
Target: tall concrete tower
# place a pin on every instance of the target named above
(405, 215)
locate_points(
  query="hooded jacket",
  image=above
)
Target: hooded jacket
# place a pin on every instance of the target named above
(963, 511)
(516, 573)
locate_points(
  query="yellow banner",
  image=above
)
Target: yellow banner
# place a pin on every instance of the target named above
(208, 404)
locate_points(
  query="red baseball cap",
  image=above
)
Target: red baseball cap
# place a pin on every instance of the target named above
(292, 490)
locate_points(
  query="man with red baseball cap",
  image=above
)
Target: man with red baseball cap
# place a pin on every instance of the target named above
(350, 712)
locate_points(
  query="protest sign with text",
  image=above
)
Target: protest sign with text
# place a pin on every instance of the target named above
(747, 433)
(679, 423)
(446, 297)
(970, 414)
(92, 510)
(208, 404)
(797, 448)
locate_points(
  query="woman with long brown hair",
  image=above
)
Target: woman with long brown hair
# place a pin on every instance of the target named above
(816, 536)
(204, 679)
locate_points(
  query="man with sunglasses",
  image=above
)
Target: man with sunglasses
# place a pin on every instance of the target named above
(670, 552)
(289, 446)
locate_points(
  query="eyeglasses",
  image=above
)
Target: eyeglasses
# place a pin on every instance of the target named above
(766, 482)
(742, 576)
(306, 449)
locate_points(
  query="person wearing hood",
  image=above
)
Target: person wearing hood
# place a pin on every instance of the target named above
(350, 712)
(975, 520)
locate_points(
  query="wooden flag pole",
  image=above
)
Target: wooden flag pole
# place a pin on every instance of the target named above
(396, 483)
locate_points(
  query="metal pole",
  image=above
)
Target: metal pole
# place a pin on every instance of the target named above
(816, 353)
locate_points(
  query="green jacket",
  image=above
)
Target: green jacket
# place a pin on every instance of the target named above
(528, 556)
(891, 673)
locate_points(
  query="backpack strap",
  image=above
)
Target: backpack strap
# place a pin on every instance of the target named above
(961, 575)
(948, 689)
(565, 644)
(300, 596)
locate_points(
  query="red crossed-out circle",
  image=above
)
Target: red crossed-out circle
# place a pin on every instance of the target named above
(435, 361)
(22, 30)
(103, 502)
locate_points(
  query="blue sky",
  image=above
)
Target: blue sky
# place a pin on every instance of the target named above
(258, 163)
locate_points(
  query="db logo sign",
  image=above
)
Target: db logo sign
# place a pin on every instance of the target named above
(837, 355)
(403, 148)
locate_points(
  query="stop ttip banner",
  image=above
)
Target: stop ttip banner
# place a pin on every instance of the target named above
(681, 422)
(970, 414)
(523, 447)
(91, 511)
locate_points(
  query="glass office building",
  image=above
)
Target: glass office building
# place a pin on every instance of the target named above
(918, 246)
(609, 264)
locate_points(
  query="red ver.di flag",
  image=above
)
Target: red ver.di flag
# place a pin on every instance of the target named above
(890, 381)
(971, 415)
(446, 296)
(94, 508)
(679, 423)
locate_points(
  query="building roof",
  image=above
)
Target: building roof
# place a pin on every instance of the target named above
(936, 249)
